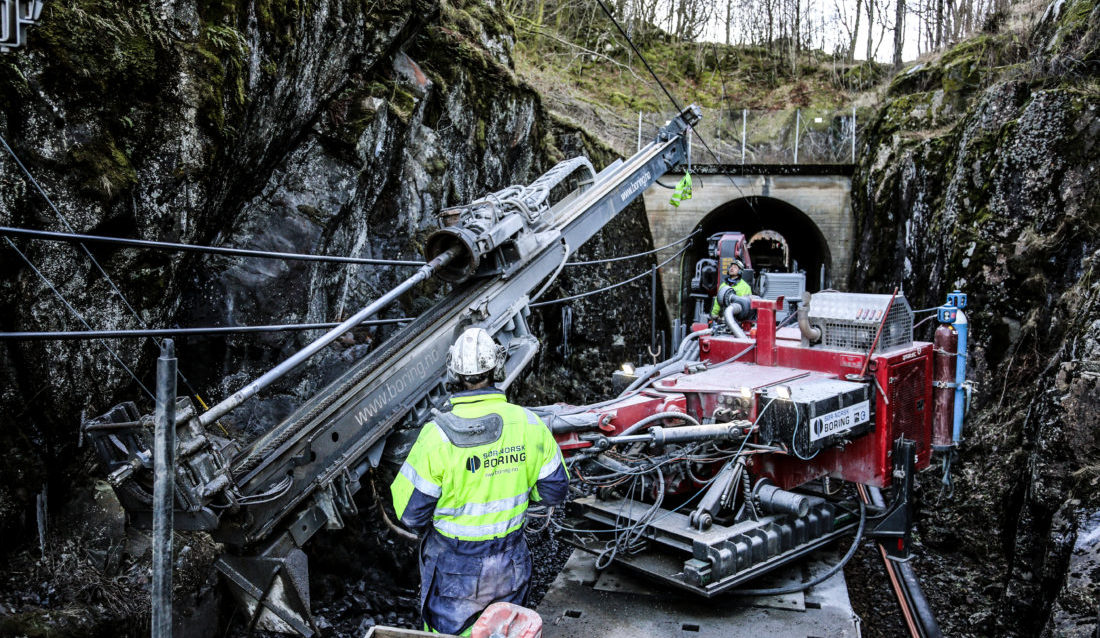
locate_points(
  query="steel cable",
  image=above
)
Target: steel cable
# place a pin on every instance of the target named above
(184, 332)
(79, 316)
(646, 273)
(95, 262)
(635, 255)
(195, 248)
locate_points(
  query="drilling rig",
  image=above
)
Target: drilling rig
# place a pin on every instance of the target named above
(736, 437)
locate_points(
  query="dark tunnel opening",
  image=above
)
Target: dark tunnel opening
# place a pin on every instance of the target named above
(781, 238)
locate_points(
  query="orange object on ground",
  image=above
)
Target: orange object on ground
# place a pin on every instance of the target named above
(505, 620)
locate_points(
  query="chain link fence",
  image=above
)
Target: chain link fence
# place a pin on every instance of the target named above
(752, 136)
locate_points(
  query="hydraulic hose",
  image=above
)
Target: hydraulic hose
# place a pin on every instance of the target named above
(687, 346)
(919, 617)
(658, 417)
(776, 591)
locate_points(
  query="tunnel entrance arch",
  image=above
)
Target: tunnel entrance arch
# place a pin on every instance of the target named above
(783, 239)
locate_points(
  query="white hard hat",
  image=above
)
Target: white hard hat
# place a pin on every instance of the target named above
(475, 352)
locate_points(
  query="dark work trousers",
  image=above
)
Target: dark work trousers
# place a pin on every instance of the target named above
(459, 579)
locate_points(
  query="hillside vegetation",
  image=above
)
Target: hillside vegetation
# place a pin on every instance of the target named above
(587, 72)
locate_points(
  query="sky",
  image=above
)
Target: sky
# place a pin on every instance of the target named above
(834, 33)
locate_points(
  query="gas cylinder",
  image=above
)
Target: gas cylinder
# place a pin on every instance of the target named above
(944, 358)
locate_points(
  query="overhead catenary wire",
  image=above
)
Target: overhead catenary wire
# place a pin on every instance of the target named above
(183, 332)
(672, 99)
(646, 273)
(79, 316)
(195, 248)
(97, 265)
(635, 255)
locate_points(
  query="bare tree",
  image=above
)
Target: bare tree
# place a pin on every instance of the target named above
(870, 29)
(899, 31)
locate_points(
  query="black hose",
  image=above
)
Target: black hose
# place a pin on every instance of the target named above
(909, 586)
(776, 591)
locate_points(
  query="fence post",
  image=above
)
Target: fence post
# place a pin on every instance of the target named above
(744, 121)
(797, 128)
(164, 472)
(653, 308)
(639, 130)
(853, 135)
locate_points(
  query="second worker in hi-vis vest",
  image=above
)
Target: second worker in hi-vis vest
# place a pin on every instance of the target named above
(468, 480)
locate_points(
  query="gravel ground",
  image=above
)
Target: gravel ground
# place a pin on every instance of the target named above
(872, 599)
(365, 575)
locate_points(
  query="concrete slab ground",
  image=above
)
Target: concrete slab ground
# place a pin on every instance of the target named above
(583, 602)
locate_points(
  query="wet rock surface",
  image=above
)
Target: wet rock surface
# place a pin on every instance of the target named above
(984, 181)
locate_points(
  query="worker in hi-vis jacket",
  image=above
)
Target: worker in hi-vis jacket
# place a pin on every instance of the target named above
(467, 481)
(732, 280)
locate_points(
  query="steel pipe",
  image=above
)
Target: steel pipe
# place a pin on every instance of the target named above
(164, 473)
(810, 333)
(250, 390)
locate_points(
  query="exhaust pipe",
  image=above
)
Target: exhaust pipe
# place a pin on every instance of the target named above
(809, 333)
(731, 323)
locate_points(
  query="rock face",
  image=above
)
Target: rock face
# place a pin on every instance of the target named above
(979, 173)
(335, 127)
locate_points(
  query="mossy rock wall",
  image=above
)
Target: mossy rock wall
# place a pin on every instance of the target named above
(985, 181)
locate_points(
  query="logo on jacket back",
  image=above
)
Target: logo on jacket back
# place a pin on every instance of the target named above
(511, 457)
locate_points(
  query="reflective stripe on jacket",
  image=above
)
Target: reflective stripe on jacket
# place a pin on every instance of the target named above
(479, 492)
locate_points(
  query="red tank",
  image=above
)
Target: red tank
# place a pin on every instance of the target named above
(943, 385)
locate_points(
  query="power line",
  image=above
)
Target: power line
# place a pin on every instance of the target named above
(79, 316)
(612, 286)
(635, 255)
(641, 57)
(215, 250)
(182, 332)
(87, 252)
(676, 104)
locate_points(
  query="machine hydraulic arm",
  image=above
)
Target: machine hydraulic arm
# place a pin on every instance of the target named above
(266, 498)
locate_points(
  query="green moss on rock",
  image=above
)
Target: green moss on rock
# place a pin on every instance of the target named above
(105, 170)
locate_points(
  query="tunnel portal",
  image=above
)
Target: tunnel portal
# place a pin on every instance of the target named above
(792, 222)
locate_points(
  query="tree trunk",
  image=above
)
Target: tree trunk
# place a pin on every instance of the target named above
(870, 29)
(797, 35)
(939, 24)
(768, 7)
(899, 32)
(855, 32)
(729, 18)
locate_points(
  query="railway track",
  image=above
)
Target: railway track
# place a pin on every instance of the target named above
(915, 611)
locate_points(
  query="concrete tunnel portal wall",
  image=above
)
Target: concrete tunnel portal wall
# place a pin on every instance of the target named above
(812, 213)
